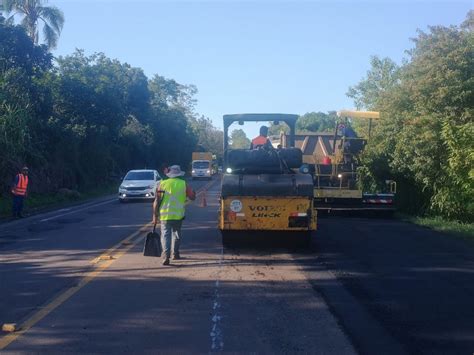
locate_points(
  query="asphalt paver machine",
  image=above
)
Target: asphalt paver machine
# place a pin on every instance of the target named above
(265, 189)
(336, 169)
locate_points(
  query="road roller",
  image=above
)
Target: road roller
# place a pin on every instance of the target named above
(265, 189)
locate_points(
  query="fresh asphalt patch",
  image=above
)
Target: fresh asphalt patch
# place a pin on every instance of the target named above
(413, 286)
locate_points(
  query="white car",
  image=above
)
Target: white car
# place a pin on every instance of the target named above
(139, 184)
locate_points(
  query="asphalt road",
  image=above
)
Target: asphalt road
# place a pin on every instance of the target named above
(413, 288)
(77, 282)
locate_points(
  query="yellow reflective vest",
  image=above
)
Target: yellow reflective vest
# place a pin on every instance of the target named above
(173, 199)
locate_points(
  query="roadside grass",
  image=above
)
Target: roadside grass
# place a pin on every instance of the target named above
(464, 230)
(38, 202)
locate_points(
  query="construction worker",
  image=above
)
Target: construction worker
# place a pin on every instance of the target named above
(169, 205)
(261, 140)
(19, 191)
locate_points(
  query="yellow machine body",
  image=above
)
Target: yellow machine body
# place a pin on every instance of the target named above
(337, 193)
(277, 213)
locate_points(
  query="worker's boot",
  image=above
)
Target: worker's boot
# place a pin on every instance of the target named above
(176, 256)
(166, 261)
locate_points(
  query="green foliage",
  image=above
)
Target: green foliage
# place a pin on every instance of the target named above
(317, 122)
(239, 140)
(382, 76)
(210, 139)
(22, 97)
(276, 129)
(89, 119)
(459, 229)
(425, 136)
(309, 122)
(34, 11)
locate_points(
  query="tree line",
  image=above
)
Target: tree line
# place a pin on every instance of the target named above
(425, 138)
(83, 120)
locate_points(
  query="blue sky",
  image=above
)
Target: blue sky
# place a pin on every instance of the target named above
(254, 56)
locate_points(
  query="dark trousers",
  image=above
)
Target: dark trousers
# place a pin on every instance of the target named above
(17, 205)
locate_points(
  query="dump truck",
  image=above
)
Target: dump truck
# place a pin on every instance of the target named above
(333, 159)
(201, 165)
(263, 189)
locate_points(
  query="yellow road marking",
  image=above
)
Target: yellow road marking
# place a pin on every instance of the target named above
(9, 327)
(65, 295)
(127, 241)
(125, 245)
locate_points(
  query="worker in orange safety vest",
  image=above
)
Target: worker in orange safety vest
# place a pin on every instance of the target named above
(20, 191)
(261, 140)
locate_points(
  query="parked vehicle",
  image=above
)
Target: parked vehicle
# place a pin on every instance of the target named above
(139, 184)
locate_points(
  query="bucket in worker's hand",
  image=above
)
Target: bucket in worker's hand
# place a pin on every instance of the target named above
(152, 245)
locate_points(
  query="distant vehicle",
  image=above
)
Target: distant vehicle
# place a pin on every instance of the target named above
(202, 165)
(139, 184)
(201, 169)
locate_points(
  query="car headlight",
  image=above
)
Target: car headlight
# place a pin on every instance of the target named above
(121, 187)
(150, 186)
(208, 171)
(193, 171)
(228, 170)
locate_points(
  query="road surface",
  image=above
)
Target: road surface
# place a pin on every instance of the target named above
(75, 281)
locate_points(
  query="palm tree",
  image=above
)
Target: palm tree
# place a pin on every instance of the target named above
(34, 11)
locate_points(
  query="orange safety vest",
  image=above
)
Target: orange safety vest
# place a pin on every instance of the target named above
(260, 140)
(20, 188)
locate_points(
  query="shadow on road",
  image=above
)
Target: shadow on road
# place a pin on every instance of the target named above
(417, 284)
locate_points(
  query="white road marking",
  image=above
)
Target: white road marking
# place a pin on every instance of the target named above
(217, 339)
(75, 211)
(63, 210)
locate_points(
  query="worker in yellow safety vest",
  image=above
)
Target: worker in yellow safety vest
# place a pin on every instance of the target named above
(169, 206)
(19, 192)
